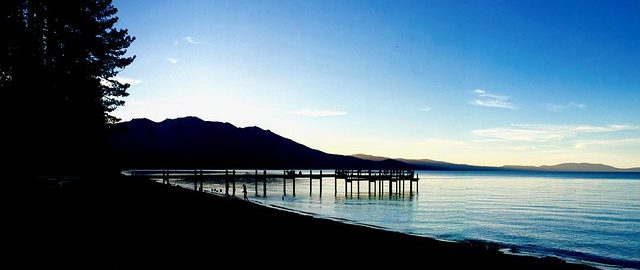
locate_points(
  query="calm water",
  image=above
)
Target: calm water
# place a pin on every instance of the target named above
(577, 216)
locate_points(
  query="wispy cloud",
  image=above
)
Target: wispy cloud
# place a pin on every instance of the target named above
(486, 99)
(561, 107)
(425, 109)
(608, 143)
(190, 40)
(522, 148)
(173, 60)
(544, 133)
(320, 113)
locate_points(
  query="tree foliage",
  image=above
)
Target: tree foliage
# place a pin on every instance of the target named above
(58, 60)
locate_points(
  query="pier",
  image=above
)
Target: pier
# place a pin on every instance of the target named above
(389, 182)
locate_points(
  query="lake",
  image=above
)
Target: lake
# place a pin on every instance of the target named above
(587, 217)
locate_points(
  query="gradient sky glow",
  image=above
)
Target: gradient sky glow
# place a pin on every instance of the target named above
(479, 82)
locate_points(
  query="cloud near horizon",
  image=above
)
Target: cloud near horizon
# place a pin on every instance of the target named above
(545, 133)
(319, 113)
(173, 60)
(561, 107)
(608, 143)
(486, 99)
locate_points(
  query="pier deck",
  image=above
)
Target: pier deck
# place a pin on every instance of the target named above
(394, 179)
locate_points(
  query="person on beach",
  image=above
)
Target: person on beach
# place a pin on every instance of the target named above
(244, 192)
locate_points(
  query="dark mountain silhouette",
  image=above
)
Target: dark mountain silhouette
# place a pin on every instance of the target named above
(370, 157)
(572, 167)
(190, 142)
(428, 164)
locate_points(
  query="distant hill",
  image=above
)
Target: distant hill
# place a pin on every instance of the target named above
(428, 164)
(370, 157)
(572, 167)
(190, 142)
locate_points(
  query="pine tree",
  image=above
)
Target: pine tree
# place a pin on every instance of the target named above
(58, 60)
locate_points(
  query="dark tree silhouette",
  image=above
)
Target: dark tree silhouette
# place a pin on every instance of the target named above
(58, 60)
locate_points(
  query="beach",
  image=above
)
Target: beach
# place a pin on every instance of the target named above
(127, 222)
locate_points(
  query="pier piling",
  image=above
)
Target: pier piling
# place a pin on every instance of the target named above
(376, 180)
(226, 182)
(311, 181)
(320, 183)
(264, 183)
(284, 184)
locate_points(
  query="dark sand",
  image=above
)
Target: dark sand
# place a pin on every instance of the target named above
(128, 223)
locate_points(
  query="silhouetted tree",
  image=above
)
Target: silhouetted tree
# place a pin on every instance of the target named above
(58, 60)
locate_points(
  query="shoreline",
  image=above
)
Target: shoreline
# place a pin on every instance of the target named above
(505, 248)
(150, 223)
(512, 250)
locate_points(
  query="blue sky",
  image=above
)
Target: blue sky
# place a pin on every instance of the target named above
(481, 82)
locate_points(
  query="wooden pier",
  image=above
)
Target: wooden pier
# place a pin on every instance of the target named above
(392, 180)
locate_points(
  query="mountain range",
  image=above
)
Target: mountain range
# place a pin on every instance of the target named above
(573, 167)
(428, 164)
(190, 142)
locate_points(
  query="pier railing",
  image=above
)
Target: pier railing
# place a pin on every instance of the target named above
(393, 179)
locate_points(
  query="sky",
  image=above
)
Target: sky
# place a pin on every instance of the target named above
(477, 82)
